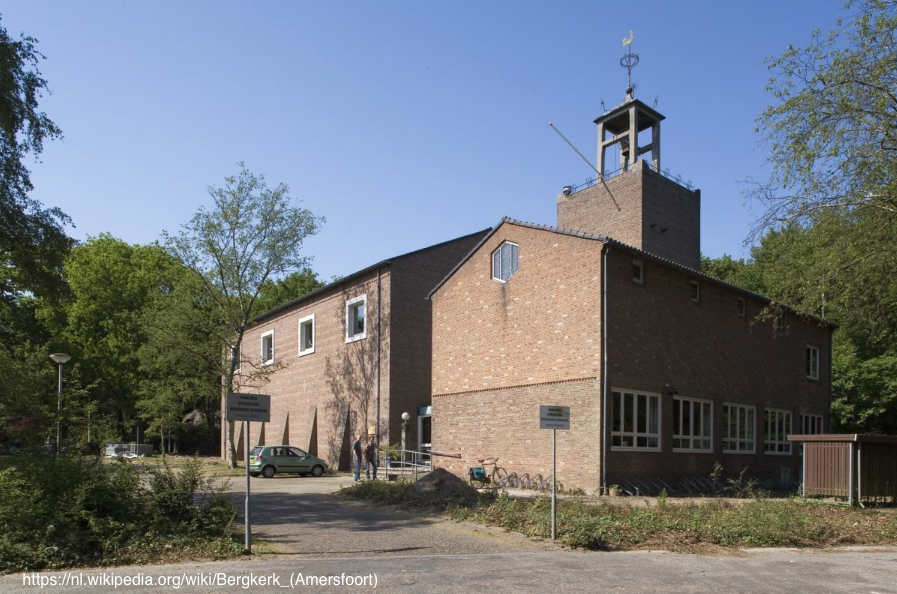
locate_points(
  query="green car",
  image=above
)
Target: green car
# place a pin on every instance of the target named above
(269, 460)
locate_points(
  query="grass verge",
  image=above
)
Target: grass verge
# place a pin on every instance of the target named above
(690, 526)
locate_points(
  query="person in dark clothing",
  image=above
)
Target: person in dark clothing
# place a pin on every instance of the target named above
(356, 457)
(370, 453)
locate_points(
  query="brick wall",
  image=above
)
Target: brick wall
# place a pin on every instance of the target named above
(504, 422)
(658, 336)
(413, 277)
(502, 349)
(640, 208)
(542, 325)
(322, 391)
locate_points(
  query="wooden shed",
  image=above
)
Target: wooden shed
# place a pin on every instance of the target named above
(859, 468)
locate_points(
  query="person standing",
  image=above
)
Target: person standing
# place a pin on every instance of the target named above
(356, 457)
(370, 453)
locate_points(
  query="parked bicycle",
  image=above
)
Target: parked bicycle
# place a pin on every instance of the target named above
(479, 478)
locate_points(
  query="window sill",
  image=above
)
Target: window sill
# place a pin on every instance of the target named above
(356, 338)
(308, 351)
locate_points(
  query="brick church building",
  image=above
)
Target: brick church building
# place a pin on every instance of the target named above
(666, 371)
(350, 358)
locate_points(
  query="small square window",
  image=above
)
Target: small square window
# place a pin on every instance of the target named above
(307, 335)
(742, 307)
(812, 362)
(268, 348)
(356, 318)
(504, 261)
(638, 272)
(695, 291)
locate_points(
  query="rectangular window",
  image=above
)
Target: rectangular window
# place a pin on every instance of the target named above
(268, 347)
(811, 424)
(692, 422)
(307, 335)
(778, 426)
(356, 318)
(742, 307)
(695, 291)
(812, 362)
(638, 272)
(636, 421)
(738, 429)
(238, 354)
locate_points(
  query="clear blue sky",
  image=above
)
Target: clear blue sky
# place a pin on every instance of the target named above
(404, 123)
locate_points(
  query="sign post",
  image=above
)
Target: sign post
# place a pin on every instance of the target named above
(246, 408)
(554, 418)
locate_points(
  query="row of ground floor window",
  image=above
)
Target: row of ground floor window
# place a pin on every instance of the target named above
(636, 425)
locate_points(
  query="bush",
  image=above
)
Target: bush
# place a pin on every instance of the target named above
(70, 511)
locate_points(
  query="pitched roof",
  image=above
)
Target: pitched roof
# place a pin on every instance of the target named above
(353, 276)
(626, 247)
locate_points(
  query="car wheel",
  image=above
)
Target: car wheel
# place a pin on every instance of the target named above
(268, 472)
(318, 470)
(253, 474)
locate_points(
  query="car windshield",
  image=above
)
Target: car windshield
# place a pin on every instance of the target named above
(298, 452)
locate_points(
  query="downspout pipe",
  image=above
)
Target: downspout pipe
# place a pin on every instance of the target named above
(604, 251)
(379, 311)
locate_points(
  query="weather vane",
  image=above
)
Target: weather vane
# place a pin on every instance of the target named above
(629, 61)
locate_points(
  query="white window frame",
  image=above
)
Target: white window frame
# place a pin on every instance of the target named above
(700, 425)
(308, 321)
(742, 307)
(513, 265)
(776, 427)
(351, 307)
(811, 424)
(640, 266)
(696, 292)
(812, 362)
(239, 369)
(745, 424)
(262, 360)
(652, 428)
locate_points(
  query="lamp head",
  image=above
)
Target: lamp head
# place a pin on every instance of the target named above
(60, 358)
(405, 416)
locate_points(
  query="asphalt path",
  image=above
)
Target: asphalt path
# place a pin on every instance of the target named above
(336, 545)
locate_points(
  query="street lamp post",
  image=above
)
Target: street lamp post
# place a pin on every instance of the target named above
(60, 359)
(405, 417)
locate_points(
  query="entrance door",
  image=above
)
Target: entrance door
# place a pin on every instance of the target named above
(424, 430)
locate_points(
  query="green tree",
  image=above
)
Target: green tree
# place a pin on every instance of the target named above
(112, 286)
(251, 235)
(275, 293)
(832, 131)
(32, 240)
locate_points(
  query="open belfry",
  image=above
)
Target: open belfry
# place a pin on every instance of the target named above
(631, 199)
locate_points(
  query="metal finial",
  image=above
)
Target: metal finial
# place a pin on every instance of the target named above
(629, 61)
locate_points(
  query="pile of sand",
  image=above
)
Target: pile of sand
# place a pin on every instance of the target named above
(441, 486)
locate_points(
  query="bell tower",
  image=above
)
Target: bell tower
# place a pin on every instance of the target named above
(632, 199)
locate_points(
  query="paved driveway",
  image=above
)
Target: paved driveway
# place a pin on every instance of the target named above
(302, 517)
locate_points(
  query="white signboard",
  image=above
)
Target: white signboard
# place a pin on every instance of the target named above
(554, 417)
(248, 407)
